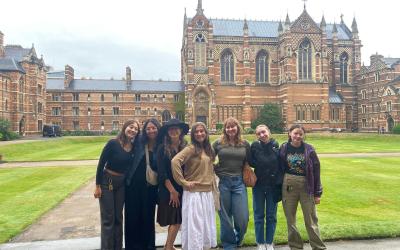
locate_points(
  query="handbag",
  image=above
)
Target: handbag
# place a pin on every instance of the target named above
(151, 175)
(249, 177)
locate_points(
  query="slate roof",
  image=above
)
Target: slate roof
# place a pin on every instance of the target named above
(230, 27)
(391, 61)
(334, 97)
(116, 85)
(16, 52)
(56, 74)
(9, 64)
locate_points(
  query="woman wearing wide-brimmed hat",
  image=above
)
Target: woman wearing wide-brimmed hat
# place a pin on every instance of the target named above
(169, 211)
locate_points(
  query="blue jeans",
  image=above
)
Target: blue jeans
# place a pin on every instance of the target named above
(234, 213)
(263, 204)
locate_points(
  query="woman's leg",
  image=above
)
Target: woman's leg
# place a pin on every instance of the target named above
(107, 215)
(290, 200)
(271, 207)
(172, 232)
(311, 221)
(119, 200)
(259, 213)
(228, 238)
(240, 209)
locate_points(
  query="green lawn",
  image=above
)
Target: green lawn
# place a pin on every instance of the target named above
(361, 200)
(86, 148)
(27, 193)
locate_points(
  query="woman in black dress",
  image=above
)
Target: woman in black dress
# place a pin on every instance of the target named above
(169, 212)
(116, 158)
(140, 195)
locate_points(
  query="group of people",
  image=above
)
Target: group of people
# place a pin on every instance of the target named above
(196, 179)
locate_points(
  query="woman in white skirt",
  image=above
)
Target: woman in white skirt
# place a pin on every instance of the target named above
(193, 169)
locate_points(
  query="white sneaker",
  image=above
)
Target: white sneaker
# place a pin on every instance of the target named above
(261, 247)
(269, 246)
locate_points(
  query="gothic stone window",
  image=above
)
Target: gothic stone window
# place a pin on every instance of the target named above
(56, 97)
(75, 111)
(115, 110)
(227, 68)
(56, 111)
(305, 60)
(115, 125)
(363, 94)
(262, 67)
(335, 114)
(102, 98)
(200, 51)
(102, 111)
(137, 97)
(75, 97)
(388, 106)
(344, 58)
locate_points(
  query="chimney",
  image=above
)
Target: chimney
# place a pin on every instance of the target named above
(1, 44)
(375, 58)
(69, 75)
(128, 74)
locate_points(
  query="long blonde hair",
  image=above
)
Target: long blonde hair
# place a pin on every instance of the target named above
(238, 138)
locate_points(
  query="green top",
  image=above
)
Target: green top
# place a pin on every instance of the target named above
(231, 158)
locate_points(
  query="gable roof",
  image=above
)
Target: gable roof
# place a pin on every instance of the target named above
(9, 64)
(16, 52)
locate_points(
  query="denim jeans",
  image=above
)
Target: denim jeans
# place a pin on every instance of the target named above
(264, 214)
(234, 212)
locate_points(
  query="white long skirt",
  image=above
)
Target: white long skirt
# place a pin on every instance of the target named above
(198, 230)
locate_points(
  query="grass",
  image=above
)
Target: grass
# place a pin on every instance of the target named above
(361, 200)
(89, 148)
(27, 193)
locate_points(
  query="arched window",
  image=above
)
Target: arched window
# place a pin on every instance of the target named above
(305, 61)
(102, 111)
(166, 116)
(262, 66)
(344, 58)
(227, 68)
(200, 38)
(102, 97)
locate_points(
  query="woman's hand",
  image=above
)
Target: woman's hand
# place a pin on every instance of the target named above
(191, 184)
(174, 199)
(317, 200)
(97, 192)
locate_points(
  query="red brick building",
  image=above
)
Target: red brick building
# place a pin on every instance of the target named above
(104, 105)
(22, 88)
(378, 94)
(233, 67)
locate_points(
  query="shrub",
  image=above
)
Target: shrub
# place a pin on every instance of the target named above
(249, 131)
(5, 131)
(396, 129)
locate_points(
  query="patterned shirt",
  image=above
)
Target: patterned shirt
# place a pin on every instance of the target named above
(296, 160)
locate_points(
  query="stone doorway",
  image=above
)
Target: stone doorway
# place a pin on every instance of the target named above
(201, 107)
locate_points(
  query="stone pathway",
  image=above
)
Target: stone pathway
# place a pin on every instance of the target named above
(78, 216)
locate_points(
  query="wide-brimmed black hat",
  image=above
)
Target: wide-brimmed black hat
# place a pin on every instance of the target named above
(173, 123)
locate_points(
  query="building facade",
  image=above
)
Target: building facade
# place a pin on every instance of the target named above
(229, 68)
(234, 67)
(378, 94)
(23, 88)
(104, 105)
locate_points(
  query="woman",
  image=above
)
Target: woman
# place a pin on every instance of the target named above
(264, 155)
(301, 183)
(140, 195)
(116, 158)
(198, 211)
(233, 153)
(169, 212)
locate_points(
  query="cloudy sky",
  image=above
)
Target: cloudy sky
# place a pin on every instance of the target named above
(100, 38)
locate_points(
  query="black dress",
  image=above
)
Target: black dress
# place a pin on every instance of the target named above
(140, 204)
(166, 214)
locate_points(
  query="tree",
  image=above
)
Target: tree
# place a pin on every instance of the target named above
(270, 115)
(5, 131)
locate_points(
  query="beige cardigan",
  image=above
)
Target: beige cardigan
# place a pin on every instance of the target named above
(197, 168)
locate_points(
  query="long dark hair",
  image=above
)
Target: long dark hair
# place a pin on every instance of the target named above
(293, 127)
(167, 142)
(145, 138)
(206, 145)
(121, 137)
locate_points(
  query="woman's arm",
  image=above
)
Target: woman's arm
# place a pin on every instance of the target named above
(100, 168)
(176, 165)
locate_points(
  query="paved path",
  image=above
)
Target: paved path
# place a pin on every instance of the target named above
(94, 243)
